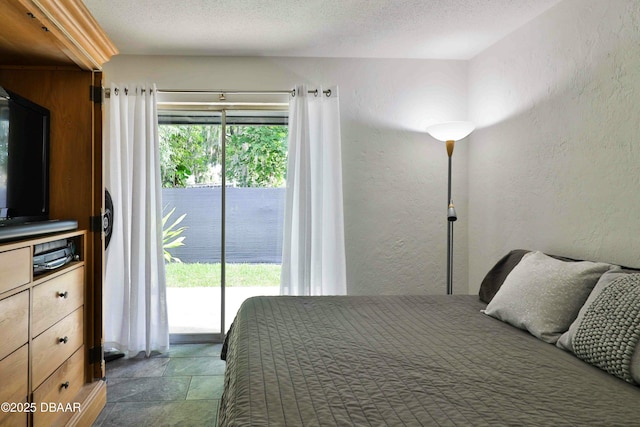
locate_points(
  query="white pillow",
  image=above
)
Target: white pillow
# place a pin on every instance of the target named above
(543, 295)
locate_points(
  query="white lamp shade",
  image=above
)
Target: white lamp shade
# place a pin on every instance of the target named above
(450, 131)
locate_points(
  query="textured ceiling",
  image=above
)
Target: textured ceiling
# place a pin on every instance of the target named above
(439, 29)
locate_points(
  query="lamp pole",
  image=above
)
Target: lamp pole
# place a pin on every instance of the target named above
(450, 132)
(451, 217)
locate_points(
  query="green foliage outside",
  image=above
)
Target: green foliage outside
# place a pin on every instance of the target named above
(188, 151)
(198, 275)
(256, 156)
(171, 235)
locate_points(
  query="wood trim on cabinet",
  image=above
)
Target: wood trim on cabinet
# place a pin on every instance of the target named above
(95, 397)
(95, 316)
(74, 30)
(23, 42)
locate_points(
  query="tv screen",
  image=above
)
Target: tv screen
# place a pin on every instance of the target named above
(24, 159)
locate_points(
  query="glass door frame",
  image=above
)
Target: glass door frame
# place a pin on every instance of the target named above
(218, 337)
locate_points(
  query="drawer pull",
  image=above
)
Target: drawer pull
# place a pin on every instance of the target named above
(63, 294)
(63, 340)
(64, 384)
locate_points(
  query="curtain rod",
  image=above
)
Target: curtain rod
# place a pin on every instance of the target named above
(222, 93)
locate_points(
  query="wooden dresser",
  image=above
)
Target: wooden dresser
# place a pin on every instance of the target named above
(51, 325)
(42, 339)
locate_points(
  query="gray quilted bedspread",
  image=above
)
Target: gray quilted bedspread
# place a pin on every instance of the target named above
(406, 360)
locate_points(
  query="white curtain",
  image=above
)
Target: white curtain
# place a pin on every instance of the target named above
(135, 309)
(313, 255)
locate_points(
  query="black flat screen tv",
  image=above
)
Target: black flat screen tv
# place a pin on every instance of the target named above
(24, 160)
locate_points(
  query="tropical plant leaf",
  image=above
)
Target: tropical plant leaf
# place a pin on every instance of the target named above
(171, 238)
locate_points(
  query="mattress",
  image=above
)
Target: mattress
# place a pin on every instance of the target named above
(405, 360)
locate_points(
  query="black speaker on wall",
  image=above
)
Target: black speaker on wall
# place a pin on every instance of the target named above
(107, 228)
(107, 219)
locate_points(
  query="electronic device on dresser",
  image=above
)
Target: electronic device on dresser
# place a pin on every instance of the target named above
(52, 255)
(24, 169)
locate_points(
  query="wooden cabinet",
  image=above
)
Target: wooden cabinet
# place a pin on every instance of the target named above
(14, 355)
(51, 327)
(55, 345)
(52, 33)
(14, 371)
(14, 331)
(14, 269)
(61, 389)
(54, 299)
(42, 330)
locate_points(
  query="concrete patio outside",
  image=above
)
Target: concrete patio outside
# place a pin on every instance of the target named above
(197, 310)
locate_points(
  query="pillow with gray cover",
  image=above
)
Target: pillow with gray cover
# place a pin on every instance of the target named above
(496, 276)
(543, 295)
(565, 341)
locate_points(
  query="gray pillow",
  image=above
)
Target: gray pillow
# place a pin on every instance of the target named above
(566, 340)
(543, 295)
(635, 365)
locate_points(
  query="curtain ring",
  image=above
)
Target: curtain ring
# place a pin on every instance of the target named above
(293, 93)
(328, 93)
(315, 93)
(126, 91)
(116, 91)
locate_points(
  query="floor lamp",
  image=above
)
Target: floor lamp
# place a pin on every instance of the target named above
(450, 132)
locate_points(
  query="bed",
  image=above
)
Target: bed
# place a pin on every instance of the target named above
(416, 360)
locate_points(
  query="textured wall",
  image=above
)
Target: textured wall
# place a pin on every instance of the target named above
(395, 175)
(555, 163)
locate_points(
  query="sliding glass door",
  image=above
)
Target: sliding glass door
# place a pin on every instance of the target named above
(224, 175)
(191, 171)
(256, 159)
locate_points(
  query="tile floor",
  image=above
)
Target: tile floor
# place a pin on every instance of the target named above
(179, 388)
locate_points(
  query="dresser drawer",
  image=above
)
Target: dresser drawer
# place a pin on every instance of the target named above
(14, 322)
(14, 371)
(15, 268)
(14, 419)
(61, 388)
(55, 345)
(56, 298)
